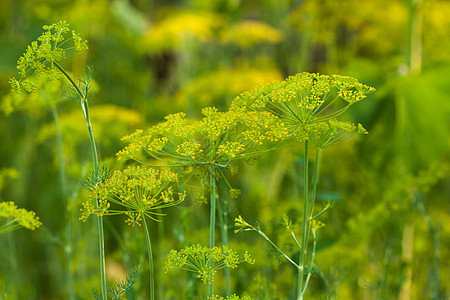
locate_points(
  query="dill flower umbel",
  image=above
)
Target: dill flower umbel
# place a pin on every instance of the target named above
(204, 261)
(40, 57)
(306, 107)
(136, 192)
(218, 139)
(13, 218)
(306, 98)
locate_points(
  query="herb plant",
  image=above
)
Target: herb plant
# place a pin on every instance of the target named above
(205, 262)
(43, 59)
(139, 193)
(210, 146)
(307, 106)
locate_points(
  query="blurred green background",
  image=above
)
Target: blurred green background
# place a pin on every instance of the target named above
(388, 236)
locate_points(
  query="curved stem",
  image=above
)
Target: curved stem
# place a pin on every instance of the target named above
(101, 237)
(150, 259)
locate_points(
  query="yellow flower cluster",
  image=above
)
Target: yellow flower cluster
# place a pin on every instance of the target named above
(224, 83)
(249, 33)
(171, 32)
(204, 261)
(304, 107)
(157, 144)
(137, 192)
(17, 217)
(324, 134)
(49, 48)
(218, 138)
(230, 149)
(189, 149)
(99, 209)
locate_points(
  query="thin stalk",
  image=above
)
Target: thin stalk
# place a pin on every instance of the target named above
(223, 219)
(212, 214)
(303, 250)
(150, 260)
(312, 201)
(316, 173)
(160, 228)
(62, 179)
(276, 247)
(101, 236)
(206, 291)
(312, 261)
(101, 246)
(13, 276)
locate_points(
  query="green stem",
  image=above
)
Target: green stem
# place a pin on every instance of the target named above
(150, 259)
(312, 201)
(212, 214)
(304, 248)
(101, 246)
(159, 279)
(206, 291)
(101, 237)
(313, 254)
(261, 233)
(223, 219)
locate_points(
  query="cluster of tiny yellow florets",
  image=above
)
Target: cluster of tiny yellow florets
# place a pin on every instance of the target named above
(136, 192)
(189, 149)
(99, 209)
(217, 138)
(324, 134)
(17, 217)
(157, 144)
(46, 50)
(230, 149)
(304, 107)
(204, 261)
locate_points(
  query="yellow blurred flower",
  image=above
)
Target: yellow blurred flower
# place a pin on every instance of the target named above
(224, 83)
(249, 33)
(170, 33)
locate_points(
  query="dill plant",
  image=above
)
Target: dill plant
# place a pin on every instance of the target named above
(138, 193)
(210, 146)
(44, 59)
(205, 262)
(307, 105)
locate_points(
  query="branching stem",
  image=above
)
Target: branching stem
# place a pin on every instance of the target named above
(101, 237)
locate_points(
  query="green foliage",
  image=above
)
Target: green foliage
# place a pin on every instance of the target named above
(119, 289)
